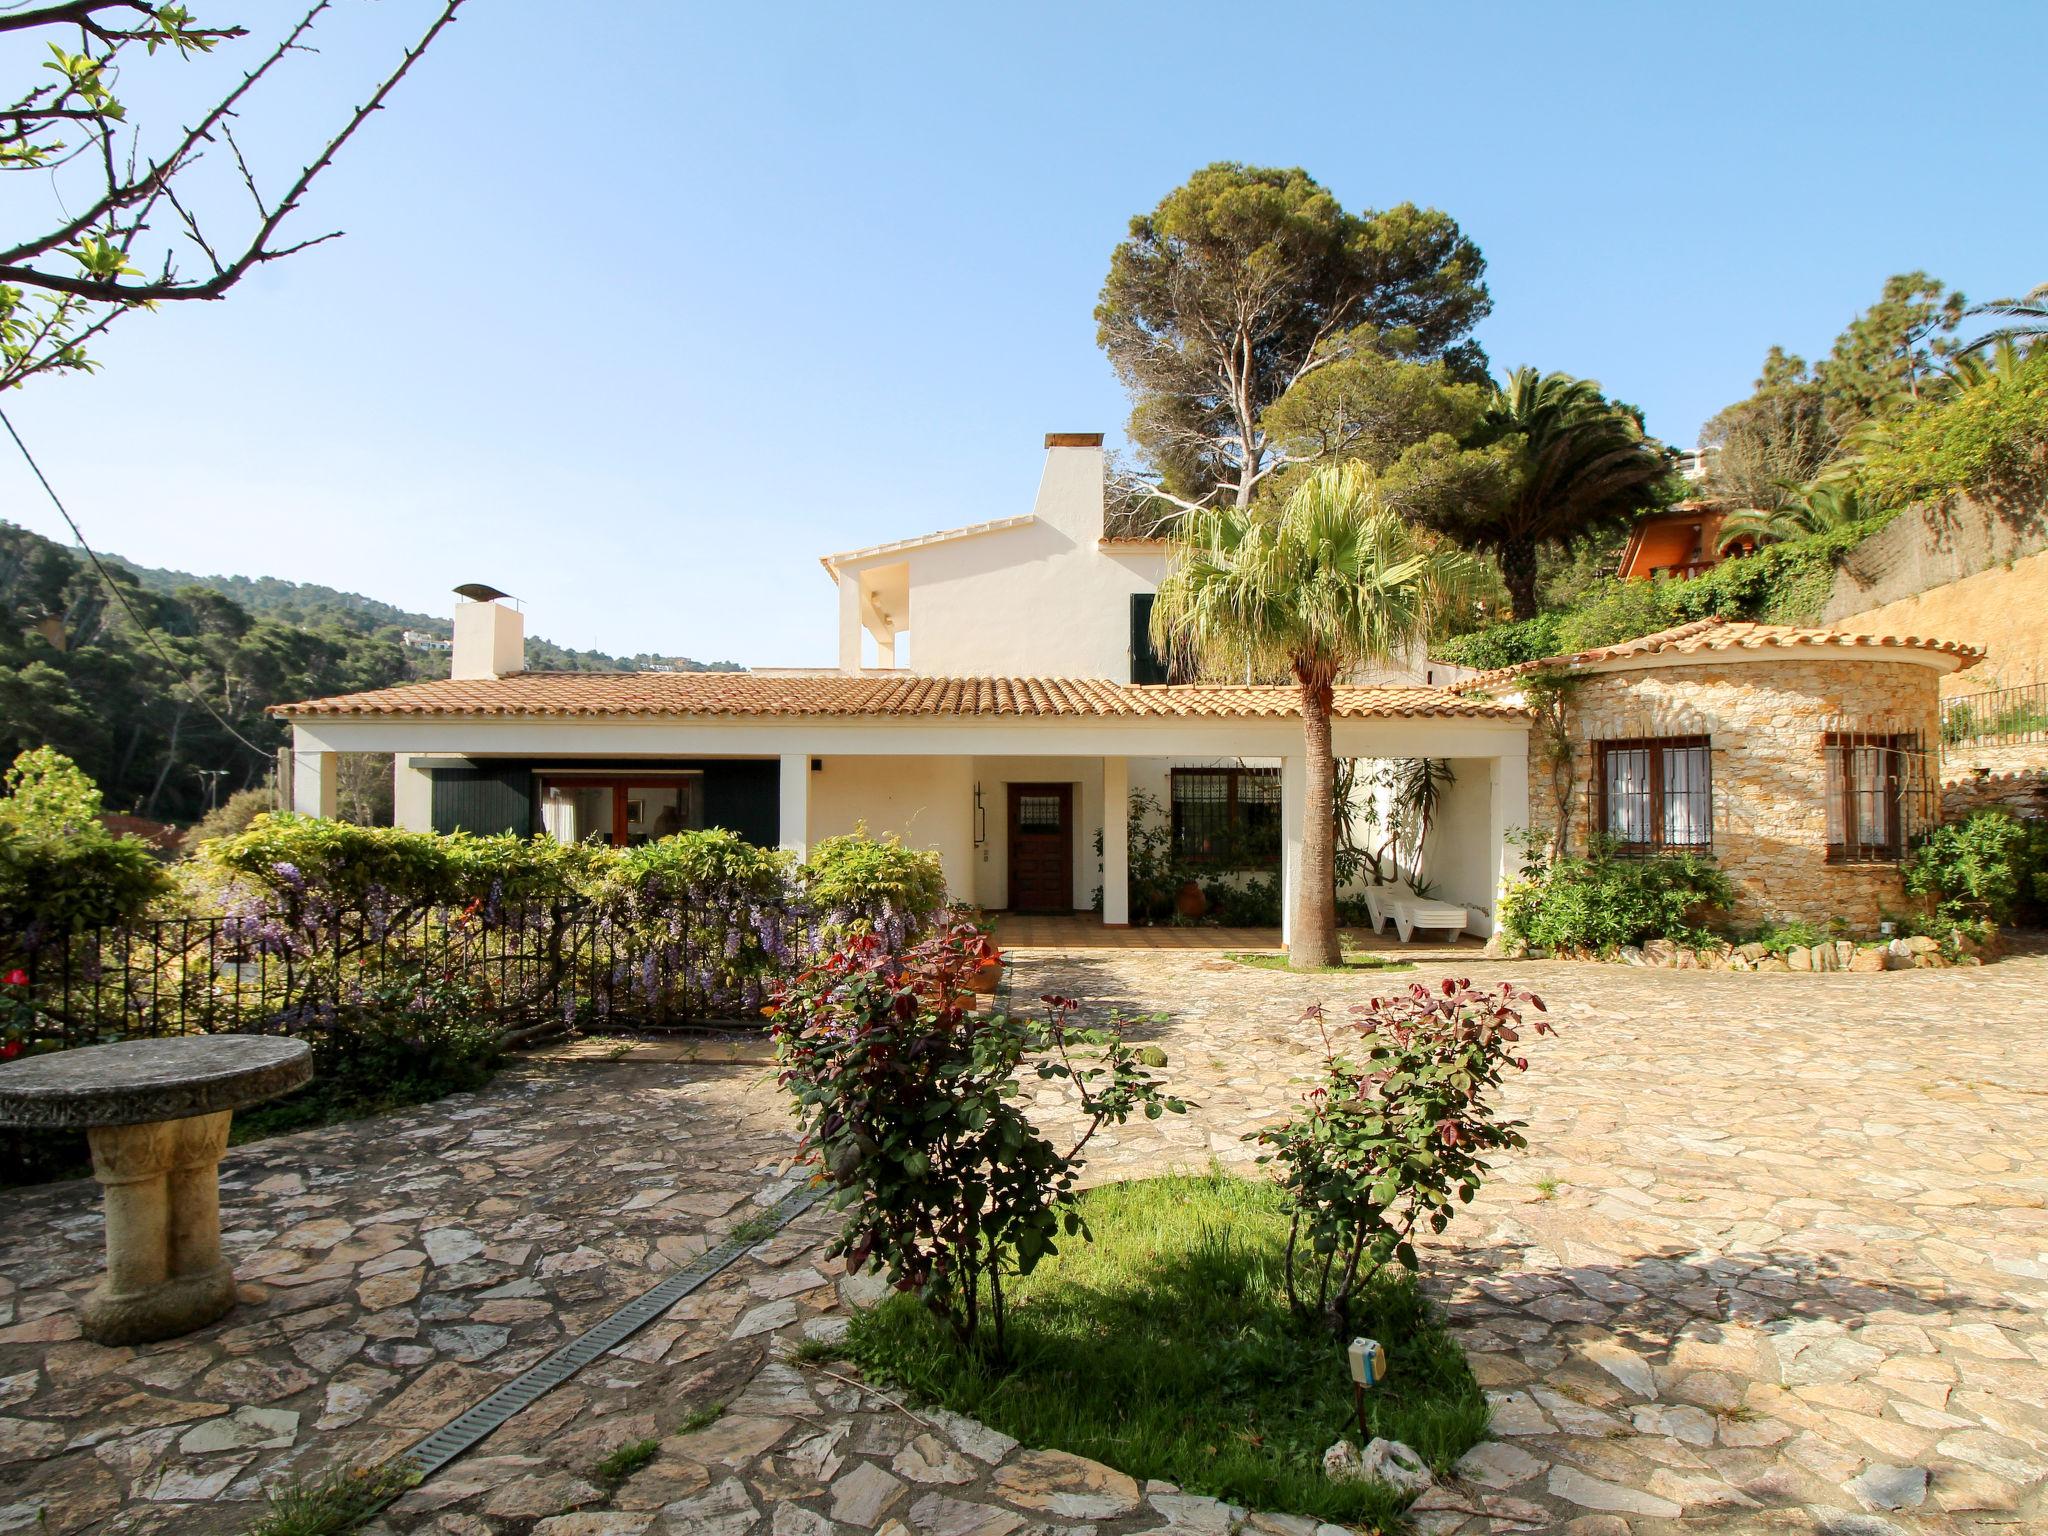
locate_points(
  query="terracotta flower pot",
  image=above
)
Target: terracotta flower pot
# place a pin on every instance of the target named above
(1189, 901)
(985, 978)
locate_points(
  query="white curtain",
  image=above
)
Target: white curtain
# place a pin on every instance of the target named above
(1628, 796)
(1687, 807)
(1867, 775)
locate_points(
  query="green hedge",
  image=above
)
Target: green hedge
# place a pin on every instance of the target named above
(1597, 905)
(1782, 584)
(1990, 867)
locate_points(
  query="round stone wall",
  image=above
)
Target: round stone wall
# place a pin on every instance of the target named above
(1766, 721)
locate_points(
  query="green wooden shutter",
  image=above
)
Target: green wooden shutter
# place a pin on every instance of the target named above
(744, 795)
(1146, 667)
(484, 799)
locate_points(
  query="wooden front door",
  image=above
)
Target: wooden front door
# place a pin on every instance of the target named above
(1041, 847)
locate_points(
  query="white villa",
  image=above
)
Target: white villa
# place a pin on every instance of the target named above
(995, 699)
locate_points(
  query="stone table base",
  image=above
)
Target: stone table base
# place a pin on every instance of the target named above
(165, 1275)
(156, 1113)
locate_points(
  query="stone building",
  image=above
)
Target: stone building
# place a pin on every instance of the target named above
(1802, 760)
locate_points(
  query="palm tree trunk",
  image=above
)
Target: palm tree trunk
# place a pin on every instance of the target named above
(1518, 573)
(1312, 941)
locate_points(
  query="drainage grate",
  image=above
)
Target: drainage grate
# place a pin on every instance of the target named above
(457, 1436)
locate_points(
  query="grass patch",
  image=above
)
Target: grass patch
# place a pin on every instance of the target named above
(701, 1418)
(816, 1352)
(1350, 965)
(1166, 1349)
(754, 1229)
(333, 1505)
(624, 1462)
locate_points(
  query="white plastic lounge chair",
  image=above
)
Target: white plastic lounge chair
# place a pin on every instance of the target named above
(1413, 914)
(1379, 903)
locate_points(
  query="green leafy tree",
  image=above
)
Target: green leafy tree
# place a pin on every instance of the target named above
(1561, 463)
(78, 675)
(1780, 438)
(1247, 281)
(1982, 432)
(125, 207)
(60, 869)
(1801, 419)
(1893, 347)
(1331, 581)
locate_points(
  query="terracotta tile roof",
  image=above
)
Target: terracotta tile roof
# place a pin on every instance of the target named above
(722, 694)
(1719, 634)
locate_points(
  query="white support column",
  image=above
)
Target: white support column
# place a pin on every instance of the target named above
(1509, 815)
(316, 781)
(849, 624)
(1293, 821)
(412, 793)
(1116, 842)
(795, 819)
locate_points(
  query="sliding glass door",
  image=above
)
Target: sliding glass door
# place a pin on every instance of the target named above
(620, 809)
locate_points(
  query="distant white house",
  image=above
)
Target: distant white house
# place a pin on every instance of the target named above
(995, 698)
(426, 640)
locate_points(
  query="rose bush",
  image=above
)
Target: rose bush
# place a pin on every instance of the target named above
(909, 1102)
(1395, 1136)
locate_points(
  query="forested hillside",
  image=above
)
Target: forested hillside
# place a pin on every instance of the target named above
(312, 606)
(77, 674)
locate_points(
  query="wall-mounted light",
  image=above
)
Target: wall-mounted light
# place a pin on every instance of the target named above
(980, 818)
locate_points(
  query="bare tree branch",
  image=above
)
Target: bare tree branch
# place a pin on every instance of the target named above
(46, 309)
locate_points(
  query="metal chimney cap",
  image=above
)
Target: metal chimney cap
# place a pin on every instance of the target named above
(480, 592)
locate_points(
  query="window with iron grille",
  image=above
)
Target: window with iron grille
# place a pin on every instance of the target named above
(1228, 817)
(1869, 780)
(1656, 794)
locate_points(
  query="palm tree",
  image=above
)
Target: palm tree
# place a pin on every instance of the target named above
(1818, 508)
(1331, 581)
(1577, 463)
(2028, 315)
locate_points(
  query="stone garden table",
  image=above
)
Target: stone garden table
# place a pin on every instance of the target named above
(156, 1113)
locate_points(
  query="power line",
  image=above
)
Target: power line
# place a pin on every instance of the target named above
(121, 593)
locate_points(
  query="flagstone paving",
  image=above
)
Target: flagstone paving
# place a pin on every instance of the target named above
(1776, 1260)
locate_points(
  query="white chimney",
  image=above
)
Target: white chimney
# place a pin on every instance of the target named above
(1070, 490)
(490, 635)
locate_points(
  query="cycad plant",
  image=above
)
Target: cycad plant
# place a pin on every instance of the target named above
(1327, 583)
(1818, 508)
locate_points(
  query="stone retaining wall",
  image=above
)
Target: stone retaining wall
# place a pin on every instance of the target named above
(2023, 792)
(1765, 720)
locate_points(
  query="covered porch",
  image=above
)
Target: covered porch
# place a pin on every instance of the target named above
(1024, 792)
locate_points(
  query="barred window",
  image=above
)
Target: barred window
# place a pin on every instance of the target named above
(1229, 817)
(1867, 778)
(1656, 794)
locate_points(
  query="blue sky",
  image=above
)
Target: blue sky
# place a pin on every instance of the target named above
(635, 318)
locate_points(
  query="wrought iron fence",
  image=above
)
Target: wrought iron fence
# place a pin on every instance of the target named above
(1998, 716)
(557, 963)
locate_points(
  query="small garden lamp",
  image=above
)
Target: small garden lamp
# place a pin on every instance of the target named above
(1368, 1369)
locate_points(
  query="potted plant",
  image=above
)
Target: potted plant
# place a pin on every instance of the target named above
(988, 975)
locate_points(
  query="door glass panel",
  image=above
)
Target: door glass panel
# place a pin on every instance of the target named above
(577, 813)
(1038, 813)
